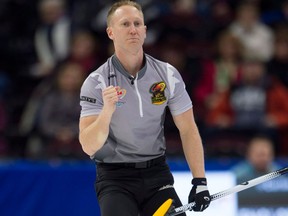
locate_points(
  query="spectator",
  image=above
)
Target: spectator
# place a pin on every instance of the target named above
(256, 37)
(259, 161)
(52, 37)
(217, 15)
(219, 73)
(278, 69)
(278, 65)
(58, 116)
(257, 104)
(193, 33)
(85, 51)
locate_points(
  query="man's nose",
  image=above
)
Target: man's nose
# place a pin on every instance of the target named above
(133, 29)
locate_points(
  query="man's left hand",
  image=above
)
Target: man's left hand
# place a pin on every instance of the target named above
(199, 194)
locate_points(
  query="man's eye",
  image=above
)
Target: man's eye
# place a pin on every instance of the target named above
(126, 24)
(137, 23)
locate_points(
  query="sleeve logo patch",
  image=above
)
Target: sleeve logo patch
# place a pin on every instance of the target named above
(88, 99)
(158, 94)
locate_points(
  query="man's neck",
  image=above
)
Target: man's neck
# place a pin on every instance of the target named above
(131, 62)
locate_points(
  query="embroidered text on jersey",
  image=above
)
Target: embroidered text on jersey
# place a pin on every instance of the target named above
(88, 99)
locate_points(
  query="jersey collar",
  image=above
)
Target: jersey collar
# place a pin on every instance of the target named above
(117, 64)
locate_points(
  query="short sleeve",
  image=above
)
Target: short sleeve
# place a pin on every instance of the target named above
(91, 95)
(179, 101)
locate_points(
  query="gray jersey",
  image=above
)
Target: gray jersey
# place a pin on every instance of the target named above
(136, 128)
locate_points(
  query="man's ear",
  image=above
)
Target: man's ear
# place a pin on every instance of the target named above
(109, 32)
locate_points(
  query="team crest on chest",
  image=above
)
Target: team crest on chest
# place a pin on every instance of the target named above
(158, 93)
(121, 94)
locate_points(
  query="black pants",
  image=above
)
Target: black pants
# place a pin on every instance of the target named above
(127, 191)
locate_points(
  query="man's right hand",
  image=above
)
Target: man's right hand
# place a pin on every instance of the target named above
(110, 98)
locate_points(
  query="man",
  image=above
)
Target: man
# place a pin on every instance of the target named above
(259, 159)
(52, 37)
(121, 125)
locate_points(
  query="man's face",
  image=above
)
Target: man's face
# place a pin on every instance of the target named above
(127, 29)
(261, 155)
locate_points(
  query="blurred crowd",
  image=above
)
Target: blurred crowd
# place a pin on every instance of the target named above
(232, 54)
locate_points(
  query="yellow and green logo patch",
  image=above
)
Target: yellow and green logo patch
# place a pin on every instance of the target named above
(158, 93)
